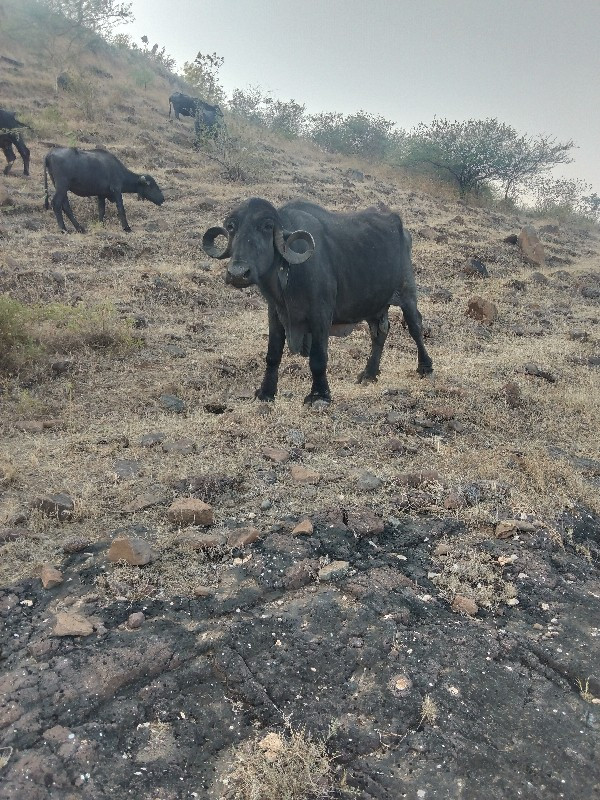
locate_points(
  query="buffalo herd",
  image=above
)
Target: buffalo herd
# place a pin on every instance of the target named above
(321, 273)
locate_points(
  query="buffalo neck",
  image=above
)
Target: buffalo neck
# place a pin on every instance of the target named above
(130, 181)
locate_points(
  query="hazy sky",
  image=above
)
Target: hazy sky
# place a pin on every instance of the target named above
(534, 64)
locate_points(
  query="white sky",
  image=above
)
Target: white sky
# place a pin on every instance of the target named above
(534, 64)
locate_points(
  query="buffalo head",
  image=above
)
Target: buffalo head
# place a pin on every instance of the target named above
(148, 189)
(256, 243)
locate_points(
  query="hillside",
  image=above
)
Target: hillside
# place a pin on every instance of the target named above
(438, 620)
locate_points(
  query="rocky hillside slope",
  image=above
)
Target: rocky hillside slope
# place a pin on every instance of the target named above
(435, 616)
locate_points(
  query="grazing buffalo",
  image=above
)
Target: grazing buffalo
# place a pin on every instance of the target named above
(182, 104)
(357, 265)
(10, 137)
(208, 118)
(90, 173)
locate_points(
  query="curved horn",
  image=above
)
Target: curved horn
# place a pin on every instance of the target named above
(208, 243)
(283, 242)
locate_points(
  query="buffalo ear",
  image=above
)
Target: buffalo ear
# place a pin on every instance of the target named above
(283, 240)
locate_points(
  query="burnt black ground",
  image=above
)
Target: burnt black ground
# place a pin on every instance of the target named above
(154, 712)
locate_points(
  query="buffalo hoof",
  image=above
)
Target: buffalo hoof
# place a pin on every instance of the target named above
(425, 369)
(366, 377)
(264, 397)
(127, 229)
(314, 398)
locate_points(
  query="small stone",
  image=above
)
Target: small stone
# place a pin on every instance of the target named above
(368, 482)
(475, 268)
(453, 501)
(150, 439)
(75, 545)
(365, 523)
(427, 232)
(145, 501)
(531, 247)
(172, 403)
(203, 591)
(276, 454)
(266, 505)
(126, 469)
(240, 537)
(442, 549)
(537, 372)
(464, 605)
(60, 506)
(304, 475)
(505, 529)
(69, 623)
(181, 447)
(512, 601)
(134, 551)
(50, 576)
(135, 620)
(537, 627)
(511, 239)
(482, 310)
(512, 394)
(400, 684)
(12, 534)
(416, 479)
(29, 426)
(301, 573)
(333, 571)
(190, 511)
(303, 528)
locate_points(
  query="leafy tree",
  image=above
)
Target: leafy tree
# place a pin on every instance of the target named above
(203, 75)
(286, 117)
(362, 134)
(563, 197)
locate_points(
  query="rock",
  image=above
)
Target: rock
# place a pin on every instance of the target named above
(12, 534)
(301, 573)
(303, 528)
(75, 545)
(126, 469)
(553, 229)
(531, 247)
(145, 501)
(400, 684)
(453, 501)
(150, 439)
(276, 454)
(176, 351)
(427, 232)
(203, 591)
(333, 571)
(537, 372)
(511, 239)
(29, 426)
(172, 403)
(482, 310)
(136, 620)
(416, 479)
(464, 605)
(304, 475)
(539, 277)
(50, 576)
(508, 527)
(181, 447)
(240, 537)
(190, 511)
(475, 268)
(266, 505)
(440, 296)
(132, 550)
(368, 482)
(512, 394)
(364, 523)
(69, 623)
(201, 541)
(59, 505)
(442, 549)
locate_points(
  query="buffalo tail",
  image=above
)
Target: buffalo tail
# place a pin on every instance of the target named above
(47, 199)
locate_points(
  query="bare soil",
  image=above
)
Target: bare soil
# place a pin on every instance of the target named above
(413, 696)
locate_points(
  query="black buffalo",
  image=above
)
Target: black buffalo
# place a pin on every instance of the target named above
(94, 173)
(208, 118)
(357, 265)
(182, 104)
(11, 137)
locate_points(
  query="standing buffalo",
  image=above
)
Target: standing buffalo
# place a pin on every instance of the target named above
(9, 137)
(208, 118)
(357, 266)
(182, 104)
(90, 173)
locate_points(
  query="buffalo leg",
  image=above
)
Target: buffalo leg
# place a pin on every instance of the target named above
(378, 328)
(101, 208)
(24, 153)
(317, 361)
(414, 321)
(121, 212)
(69, 212)
(10, 157)
(268, 388)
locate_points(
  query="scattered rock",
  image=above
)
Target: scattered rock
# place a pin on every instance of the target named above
(511, 239)
(190, 511)
(531, 247)
(464, 605)
(453, 501)
(126, 469)
(508, 527)
(537, 372)
(538, 277)
(276, 454)
(50, 576)
(301, 573)
(303, 528)
(59, 505)
(12, 534)
(69, 623)
(176, 351)
(427, 232)
(134, 551)
(150, 439)
(136, 620)
(240, 537)
(304, 475)
(145, 501)
(203, 591)
(441, 296)
(482, 310)
(75, 545)
(475, 268)
(333, 571)
(172, 403)
(364, 523)
(400, 684)
(181, 447)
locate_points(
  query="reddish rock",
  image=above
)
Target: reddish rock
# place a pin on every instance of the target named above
(60, 506)
(453, 501)
(464, 605)
(531, 247)
(303, 528)
(301, 573)
(69, 623)
(364, 523)
(136, 552)
(482, 310)
(276, 454)
(50, 576)
(189, 511)
(305, 475)
(240, 537)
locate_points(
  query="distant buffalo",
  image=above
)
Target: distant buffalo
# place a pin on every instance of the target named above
(93, 173)
(11, 137)
(182, 104)
(320, 272)
(208, 118)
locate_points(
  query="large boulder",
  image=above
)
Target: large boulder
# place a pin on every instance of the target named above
(531, 247)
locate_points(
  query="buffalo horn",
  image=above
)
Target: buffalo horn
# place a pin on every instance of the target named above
(283, 242)
(208, 243)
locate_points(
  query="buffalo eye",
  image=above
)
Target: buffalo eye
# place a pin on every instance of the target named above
(230, 226)
(268, 225)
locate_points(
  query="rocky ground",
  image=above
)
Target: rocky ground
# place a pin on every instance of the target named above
(409, 576)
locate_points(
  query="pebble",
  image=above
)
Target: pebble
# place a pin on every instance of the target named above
(464, 605)
(240, 537)
(134, 551)
(189, 511)
(337, 569)
(50, 576)
(135, 620)
(69, 623)
(302, 474)
(303, 528)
